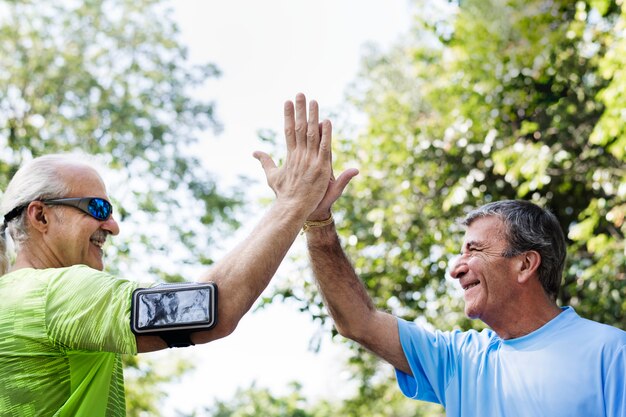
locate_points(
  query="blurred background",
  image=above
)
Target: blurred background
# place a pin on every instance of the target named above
(442, 105)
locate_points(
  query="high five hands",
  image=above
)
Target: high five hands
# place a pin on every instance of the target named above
(306, 178)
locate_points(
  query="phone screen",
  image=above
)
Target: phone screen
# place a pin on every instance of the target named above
(174, 307)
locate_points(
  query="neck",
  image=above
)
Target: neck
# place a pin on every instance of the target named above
(23, 263)
(26, 258)
(524, 318)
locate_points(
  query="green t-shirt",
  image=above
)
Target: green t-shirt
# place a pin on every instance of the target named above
(61, 335)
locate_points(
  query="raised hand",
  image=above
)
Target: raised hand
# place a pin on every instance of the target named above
(333, 192)
(305, 176)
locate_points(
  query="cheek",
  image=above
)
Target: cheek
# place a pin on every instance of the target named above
(489, 274)
(477, 265)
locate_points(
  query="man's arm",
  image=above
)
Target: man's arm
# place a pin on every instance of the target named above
(348, 302)
(344, 294)
(299, 185)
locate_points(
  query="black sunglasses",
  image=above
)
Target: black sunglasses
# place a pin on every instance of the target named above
(96, 207)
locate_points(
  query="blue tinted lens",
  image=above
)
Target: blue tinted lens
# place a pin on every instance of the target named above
(100, 209)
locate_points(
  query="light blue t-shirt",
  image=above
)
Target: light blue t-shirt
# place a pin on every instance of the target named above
(570, 367)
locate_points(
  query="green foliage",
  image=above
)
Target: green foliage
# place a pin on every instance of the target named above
(498, 99)
(111, 79)
(260, 402)
(490, 100)
(145, 379)
(510, 104)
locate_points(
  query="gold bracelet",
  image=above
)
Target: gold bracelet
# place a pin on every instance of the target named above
(311, 223)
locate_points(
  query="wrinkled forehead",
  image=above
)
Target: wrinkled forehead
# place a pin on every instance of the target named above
(485, 230)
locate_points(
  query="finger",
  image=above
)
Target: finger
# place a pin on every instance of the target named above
(290, 126)
(325, 142)
(267, 163)
(301, 124)
(336, 188)
(344, 178)
(313, 129)
(334, 191)
(332, 174)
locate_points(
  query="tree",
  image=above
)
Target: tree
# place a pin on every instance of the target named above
(260, 402)
(110, 78)
(145, 381)
(487, 101)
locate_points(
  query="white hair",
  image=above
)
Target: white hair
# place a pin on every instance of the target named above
(36, 180)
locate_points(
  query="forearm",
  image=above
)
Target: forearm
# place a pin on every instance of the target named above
(243, 274)
(348, 302)
(345, 296)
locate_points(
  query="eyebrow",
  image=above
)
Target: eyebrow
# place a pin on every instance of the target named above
(474, 244)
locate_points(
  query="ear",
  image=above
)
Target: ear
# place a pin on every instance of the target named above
(529, 264)
(37, 215)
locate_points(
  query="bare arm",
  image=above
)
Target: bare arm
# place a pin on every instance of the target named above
(344, 294)
(348, 302)
(299, 185)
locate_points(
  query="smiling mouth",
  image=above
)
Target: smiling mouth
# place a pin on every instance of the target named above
(471, 285)
(97, 242)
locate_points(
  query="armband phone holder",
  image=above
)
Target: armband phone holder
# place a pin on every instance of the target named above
(174, 311)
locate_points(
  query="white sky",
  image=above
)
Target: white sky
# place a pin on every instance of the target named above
(268, 51)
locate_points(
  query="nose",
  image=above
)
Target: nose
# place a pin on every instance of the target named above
(111, 226)
(458, 267)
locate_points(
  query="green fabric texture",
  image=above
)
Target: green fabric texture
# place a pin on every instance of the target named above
(61, 335)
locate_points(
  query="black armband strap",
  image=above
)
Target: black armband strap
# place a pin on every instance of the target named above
(177, 339)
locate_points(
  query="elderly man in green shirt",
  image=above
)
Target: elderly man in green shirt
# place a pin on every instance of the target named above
(64, 322)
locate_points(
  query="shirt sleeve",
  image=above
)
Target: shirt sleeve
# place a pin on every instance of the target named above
(88, 309)
(615, 386)
(418, 345)
(433, 357)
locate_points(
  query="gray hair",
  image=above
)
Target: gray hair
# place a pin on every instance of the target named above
(529, 227)
(35, 180)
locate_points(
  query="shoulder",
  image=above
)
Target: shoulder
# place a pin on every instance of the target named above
(589, 332)
(82, 282)
(43, 279)
(473, 340)
(78, 271)
(79, 275)
(48, 274)
(591, 325)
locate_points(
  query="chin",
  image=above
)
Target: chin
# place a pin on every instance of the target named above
(96, 265)
(470, 315)
(472, 312)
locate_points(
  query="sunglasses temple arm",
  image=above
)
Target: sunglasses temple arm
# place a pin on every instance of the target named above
(84, 205)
